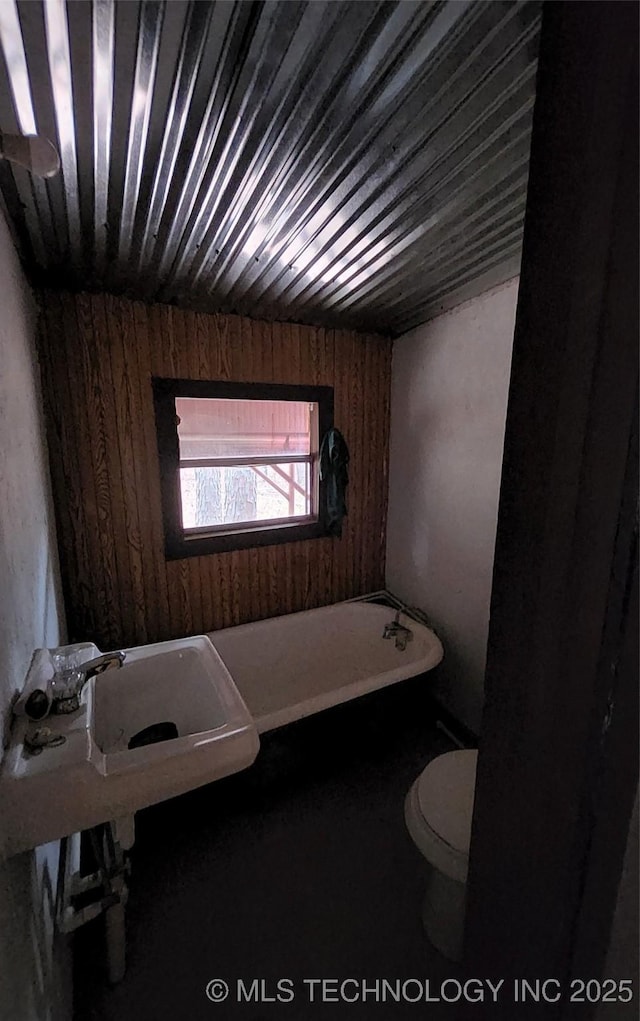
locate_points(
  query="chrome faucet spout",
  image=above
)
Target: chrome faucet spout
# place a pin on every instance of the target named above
(396, 630)
(108, 661)
(69, 700)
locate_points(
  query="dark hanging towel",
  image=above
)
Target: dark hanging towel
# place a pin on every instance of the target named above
(334, 459)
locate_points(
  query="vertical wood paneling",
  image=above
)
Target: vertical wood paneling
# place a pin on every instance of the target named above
(94, 476)
(119, 317)
(150, 518)
(63, 455)
(119, 588)
(107, 400)
(83, 506)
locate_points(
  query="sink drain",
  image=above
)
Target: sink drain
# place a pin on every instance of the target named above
(157, 732)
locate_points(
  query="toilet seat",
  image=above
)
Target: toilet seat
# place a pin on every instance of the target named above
(439, 809)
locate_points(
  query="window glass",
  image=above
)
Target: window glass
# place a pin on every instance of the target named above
(244, 461)
(234, 495)
(217, 427)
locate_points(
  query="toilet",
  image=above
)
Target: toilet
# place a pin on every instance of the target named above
(438, 811)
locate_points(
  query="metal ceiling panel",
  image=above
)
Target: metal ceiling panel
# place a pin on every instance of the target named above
(343, 163)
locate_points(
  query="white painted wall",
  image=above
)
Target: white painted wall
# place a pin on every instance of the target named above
(449, 390)
(35, 972)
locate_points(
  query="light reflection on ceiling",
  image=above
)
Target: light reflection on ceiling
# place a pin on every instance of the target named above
(359, 164)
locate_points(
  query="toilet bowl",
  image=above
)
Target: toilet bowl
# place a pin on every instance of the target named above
(438, 811)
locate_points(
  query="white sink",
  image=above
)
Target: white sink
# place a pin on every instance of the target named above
(94, 776)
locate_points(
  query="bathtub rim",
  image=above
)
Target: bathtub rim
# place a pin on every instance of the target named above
(347, 692)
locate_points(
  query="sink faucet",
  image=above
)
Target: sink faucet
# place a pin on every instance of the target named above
(70, 701)
(108, 661)
(402, 634)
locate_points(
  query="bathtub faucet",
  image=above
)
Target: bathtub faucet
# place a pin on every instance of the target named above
(398, 631)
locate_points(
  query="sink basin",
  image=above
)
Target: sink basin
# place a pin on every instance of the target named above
(169, 720)
(183, 682)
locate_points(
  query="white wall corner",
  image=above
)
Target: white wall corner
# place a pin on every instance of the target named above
(450, 381)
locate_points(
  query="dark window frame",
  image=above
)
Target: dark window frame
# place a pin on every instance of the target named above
(178, 543)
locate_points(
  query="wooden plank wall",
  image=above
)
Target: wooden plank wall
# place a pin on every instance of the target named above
(98, 355)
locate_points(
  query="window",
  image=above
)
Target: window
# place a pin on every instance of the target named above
(239, 463)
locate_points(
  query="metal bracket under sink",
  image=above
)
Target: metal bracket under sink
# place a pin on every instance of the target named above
(84, 896)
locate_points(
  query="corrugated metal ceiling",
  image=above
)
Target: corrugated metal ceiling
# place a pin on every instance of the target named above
(349, 163)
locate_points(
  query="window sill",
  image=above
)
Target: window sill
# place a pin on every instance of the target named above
(199, 545)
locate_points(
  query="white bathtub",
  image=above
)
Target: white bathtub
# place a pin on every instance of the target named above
(292, 666)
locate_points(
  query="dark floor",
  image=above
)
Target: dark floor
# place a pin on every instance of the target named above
(300, 867)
